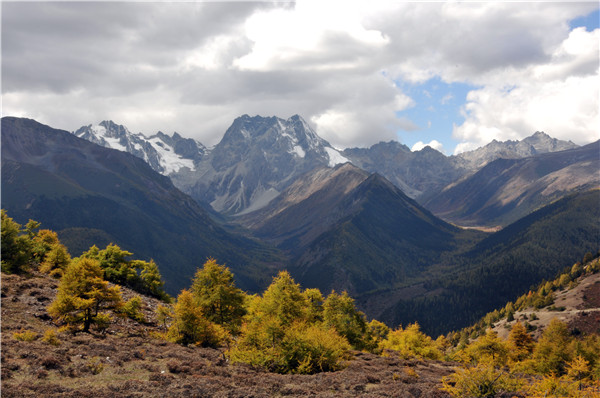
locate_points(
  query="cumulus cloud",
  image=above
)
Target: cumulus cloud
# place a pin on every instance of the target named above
(194, 67)
(559, 97)
(432, 144)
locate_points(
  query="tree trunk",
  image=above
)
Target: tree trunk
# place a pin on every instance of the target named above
(87, 321)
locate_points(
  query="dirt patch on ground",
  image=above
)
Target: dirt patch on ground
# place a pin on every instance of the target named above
(127, 362)
(588, 321)
(591, 295)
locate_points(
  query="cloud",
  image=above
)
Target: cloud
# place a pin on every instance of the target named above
(559, 97)
(432, 144)
(343, 66)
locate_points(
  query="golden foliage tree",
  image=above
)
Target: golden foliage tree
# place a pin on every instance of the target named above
(520, 342)
(340, 313)
(283, 331)
(84, 296)
(553, 350)
(411, 342)
(217, 296)
(189, 325)
(16, 245)
(55, 260)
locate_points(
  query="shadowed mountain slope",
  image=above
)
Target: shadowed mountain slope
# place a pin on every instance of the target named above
(508, 189)
(94, 195)
(348, 230)
(500, 267)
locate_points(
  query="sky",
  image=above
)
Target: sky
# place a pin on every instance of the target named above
(450, 75)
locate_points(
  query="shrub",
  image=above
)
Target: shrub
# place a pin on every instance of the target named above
(102, 321)
(411, 342)
(479, 381)
(50, 362)
(95, 365)
(133, 309)
(164, 315)
(554, 386)
(50, 337)
(310, 349)
(304, 349)
(25, 335)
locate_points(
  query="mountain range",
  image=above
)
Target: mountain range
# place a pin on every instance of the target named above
(165, 154)
(288, 199)
(258, 157)
(507, 189)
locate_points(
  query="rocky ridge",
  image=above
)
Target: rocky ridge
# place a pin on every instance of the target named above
(165, 154)
(258, 157)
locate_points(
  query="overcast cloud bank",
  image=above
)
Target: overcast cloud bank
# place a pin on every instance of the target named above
(194, 67)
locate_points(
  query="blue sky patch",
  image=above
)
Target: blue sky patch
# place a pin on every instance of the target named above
(590, 21)
(437, 107)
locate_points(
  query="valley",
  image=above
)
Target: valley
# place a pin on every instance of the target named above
(273, 195)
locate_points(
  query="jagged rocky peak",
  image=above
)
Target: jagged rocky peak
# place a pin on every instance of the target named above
(543, 143)
(255, 160)
(163, 153)
(269, 130)
(537, 143)
(106, 133)
(258, 136)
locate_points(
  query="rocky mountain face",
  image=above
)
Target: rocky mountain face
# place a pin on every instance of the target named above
(257, 158)
(95, 195)
(415, 173)
(535, 144)
(165, 154)
(507, 189)
(422, 174)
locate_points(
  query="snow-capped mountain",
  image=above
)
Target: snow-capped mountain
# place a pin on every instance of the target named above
(256, 159)
(163, 153)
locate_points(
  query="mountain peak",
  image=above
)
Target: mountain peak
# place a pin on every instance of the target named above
(257, 158)
(537, 143)
(164, 154)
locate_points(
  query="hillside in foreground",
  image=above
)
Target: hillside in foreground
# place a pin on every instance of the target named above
(127, 361)
(83, 336)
